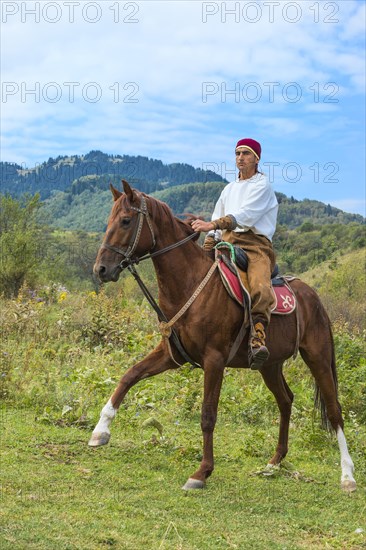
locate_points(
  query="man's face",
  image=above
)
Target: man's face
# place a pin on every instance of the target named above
(246, 161)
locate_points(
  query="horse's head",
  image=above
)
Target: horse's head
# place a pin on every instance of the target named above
(129, 234)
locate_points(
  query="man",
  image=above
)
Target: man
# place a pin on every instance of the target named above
(246, 215)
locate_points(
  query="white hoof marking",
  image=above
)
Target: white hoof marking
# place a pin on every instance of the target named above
(348, 482)
(193, 484)
(101, 433)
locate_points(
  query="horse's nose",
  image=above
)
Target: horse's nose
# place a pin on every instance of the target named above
(100, 270)
(106, 273)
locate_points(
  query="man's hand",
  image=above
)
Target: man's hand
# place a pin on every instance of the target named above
(209, 243)
(200, 225)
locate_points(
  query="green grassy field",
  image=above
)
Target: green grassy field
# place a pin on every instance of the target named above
(61, 359)
(58, 493)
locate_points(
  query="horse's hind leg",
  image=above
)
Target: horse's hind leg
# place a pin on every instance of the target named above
(156, 362)
(322, 366)
(275, 381)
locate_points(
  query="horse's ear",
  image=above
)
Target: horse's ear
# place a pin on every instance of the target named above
(116, 194)
(128, 190)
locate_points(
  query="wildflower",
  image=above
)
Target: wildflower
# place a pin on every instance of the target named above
(61, 297)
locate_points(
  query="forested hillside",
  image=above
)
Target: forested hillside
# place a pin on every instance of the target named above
(200, 199)
(86, 205)
(341, 282)
(309, 245)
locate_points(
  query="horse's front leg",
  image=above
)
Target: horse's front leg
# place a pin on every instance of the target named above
(212, 385)
(156, 362)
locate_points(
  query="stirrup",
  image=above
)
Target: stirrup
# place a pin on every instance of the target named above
(257, 357)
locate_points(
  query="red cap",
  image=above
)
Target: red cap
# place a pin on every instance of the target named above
(250, 144)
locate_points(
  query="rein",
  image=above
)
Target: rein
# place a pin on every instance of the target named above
(167, 248)
(164, 322)
(129, 262)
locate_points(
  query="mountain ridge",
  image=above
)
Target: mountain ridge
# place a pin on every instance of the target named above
(58, 174)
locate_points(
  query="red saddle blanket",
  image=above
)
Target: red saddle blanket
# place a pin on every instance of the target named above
(284, 296)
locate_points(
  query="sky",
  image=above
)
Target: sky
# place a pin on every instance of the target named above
(183, 81)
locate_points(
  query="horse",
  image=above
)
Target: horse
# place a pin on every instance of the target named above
(207, 323)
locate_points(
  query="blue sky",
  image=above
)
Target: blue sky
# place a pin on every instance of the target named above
(183, 81)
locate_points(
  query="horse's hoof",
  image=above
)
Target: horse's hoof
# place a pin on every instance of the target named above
(349, 486)
(98, 439)
(193, 484)
(271, 469)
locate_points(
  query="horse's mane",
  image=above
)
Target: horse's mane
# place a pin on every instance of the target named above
(165, 214)
(161, 211)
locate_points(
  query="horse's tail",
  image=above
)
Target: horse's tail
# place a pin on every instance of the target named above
(319, 402)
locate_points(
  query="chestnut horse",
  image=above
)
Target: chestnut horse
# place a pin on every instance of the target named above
(208, 328)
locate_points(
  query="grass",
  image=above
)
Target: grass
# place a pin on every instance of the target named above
(61, 359)
(58, 493)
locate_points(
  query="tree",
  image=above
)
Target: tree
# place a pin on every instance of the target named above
(306, 227)
(18, 242)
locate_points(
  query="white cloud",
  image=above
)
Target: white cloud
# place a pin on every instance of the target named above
(355, 24)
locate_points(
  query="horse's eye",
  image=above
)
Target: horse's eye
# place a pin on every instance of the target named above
(125, 222)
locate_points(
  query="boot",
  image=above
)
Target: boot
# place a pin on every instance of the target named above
(258, 353)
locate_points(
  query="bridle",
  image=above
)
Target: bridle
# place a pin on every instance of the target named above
(127, 254)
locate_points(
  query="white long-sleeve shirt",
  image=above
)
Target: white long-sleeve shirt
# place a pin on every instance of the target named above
(253, 204)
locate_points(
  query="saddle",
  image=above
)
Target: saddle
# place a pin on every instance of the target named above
(233, 263)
